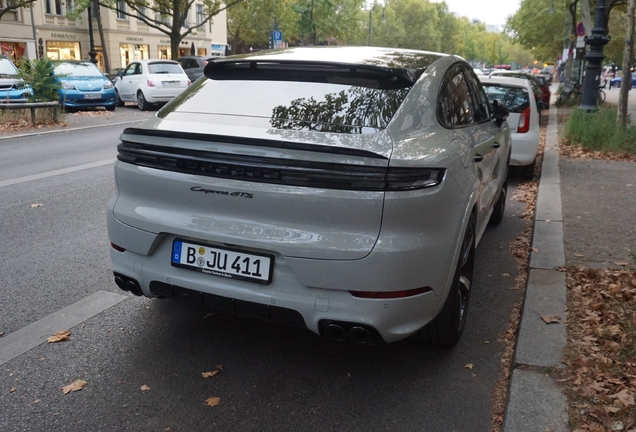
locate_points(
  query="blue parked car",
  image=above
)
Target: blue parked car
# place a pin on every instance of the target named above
(616, 82)
(12, 87)
(83, 85)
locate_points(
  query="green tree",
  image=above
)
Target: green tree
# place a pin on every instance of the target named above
(39, 75)
(538, 30)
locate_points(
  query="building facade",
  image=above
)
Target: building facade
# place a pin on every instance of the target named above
(46, 28)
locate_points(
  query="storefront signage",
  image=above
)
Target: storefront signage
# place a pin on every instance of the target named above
(164, 41)
(134, 39)
(64, 35)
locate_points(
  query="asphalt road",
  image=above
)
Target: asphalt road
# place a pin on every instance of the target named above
(272, 378)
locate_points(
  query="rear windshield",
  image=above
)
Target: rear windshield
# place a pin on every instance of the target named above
(7, 68)
(164, 68)
(514, 98)
(78, 69)
(355, 106)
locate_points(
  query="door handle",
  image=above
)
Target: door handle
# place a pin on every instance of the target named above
(496, 145)
(478, 158)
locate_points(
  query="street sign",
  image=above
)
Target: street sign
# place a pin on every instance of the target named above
(580, 29)
(277, 35)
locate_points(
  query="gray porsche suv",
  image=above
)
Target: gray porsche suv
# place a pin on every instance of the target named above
(340, 189)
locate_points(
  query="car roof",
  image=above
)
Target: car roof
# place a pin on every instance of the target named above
(402, 63)
(505, 81)
(149, 61)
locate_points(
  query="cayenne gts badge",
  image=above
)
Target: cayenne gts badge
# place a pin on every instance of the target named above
(221, 192)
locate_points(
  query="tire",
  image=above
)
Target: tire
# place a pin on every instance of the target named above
(111, 107)
(500, 206)
(447, 327)
(142, 103)
(119, 102)
(527, 171)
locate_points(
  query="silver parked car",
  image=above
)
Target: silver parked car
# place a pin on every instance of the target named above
(341, 189)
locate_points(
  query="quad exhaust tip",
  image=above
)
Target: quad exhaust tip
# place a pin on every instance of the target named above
(356, 333)
(128, 284)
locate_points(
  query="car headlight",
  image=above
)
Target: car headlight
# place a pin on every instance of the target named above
(68, 86)
(108, 85)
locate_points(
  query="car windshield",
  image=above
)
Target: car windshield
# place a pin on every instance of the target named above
(7, 68)
(83, 69)
(164, 68)
(514, 98)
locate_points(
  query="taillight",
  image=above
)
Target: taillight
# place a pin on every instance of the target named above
(189, 82)
(524, 121)
(150, 83)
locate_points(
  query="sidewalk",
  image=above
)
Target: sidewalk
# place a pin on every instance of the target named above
(584, 215)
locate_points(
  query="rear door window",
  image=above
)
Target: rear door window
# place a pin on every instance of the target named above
(455, 103)
(514, 98)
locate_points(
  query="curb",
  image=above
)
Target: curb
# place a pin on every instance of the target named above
(535, 402)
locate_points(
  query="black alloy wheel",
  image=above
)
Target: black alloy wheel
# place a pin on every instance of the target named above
(448, 326)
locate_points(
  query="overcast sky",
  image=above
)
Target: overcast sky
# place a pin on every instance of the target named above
(488, 11)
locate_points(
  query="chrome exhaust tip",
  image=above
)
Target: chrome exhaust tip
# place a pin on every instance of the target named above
(335, 332)
(360, 335)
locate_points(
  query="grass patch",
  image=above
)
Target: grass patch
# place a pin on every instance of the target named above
(599, 132)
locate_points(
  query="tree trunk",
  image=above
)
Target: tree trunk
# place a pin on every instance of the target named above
(102, 40)
(626, 82)
(174, 46)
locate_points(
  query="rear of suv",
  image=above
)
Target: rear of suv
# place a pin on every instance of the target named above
(340, 189)
(12, 87)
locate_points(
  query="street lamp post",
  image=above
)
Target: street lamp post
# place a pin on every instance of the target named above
(370, 14)
(594, 57)
(92, 53)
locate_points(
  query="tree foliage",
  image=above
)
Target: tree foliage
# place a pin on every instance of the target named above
(39, 75)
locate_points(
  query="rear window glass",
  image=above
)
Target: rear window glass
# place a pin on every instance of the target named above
(78, 69)
(7, 68)
(164, 68)
(354, 107)
(514, 98)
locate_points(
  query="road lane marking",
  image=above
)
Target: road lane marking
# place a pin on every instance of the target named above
(61, 171)
(69, 130)
(21, 341)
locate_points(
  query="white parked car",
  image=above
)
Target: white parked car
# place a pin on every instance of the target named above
(340, 189)
(517, 95)
(149, 82)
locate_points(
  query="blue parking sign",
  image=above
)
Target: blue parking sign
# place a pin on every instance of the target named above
(277, 35)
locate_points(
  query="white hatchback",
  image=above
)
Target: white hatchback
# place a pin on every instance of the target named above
(517, 95)
(149, 82)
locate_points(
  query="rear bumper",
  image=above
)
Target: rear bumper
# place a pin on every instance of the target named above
(160, 95)
(524, 147)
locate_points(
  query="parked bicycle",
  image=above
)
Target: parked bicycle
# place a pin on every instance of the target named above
(574, 89)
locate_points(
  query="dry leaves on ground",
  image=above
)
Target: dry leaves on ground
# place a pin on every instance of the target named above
(551, 319)
(144, 388)
(96, 113)
(59, 336)
(74, 386)
(574, 151)
(601, 351)
(213, 401)
(24, 124)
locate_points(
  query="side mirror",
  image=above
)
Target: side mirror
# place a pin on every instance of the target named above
(500, 112)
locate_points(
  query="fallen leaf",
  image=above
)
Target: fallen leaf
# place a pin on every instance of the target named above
(622, 264)
(551, 319)
(213, 401)
(209, 315)
(59, 336)
(505, 274)
(535, 249)
(579, 255)
(468, 366)
(1, 334)
(474, 375)
(486, 342)
(219, 367)
(74, 386)
(144, 388)
(36, 205)
(348, 374)
(12, 390)
(209, 374)
(625, 397)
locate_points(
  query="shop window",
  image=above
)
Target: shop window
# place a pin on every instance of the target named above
(202, 51)
(56, 50)
(141, 12)
(141, 52)
(164, 52)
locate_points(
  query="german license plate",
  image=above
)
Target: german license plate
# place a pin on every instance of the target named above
(217, 261)
(92, 96)
(170, 83)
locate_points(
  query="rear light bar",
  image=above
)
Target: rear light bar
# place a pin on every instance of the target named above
(117, 248)
(279, 171)
(390, 294)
